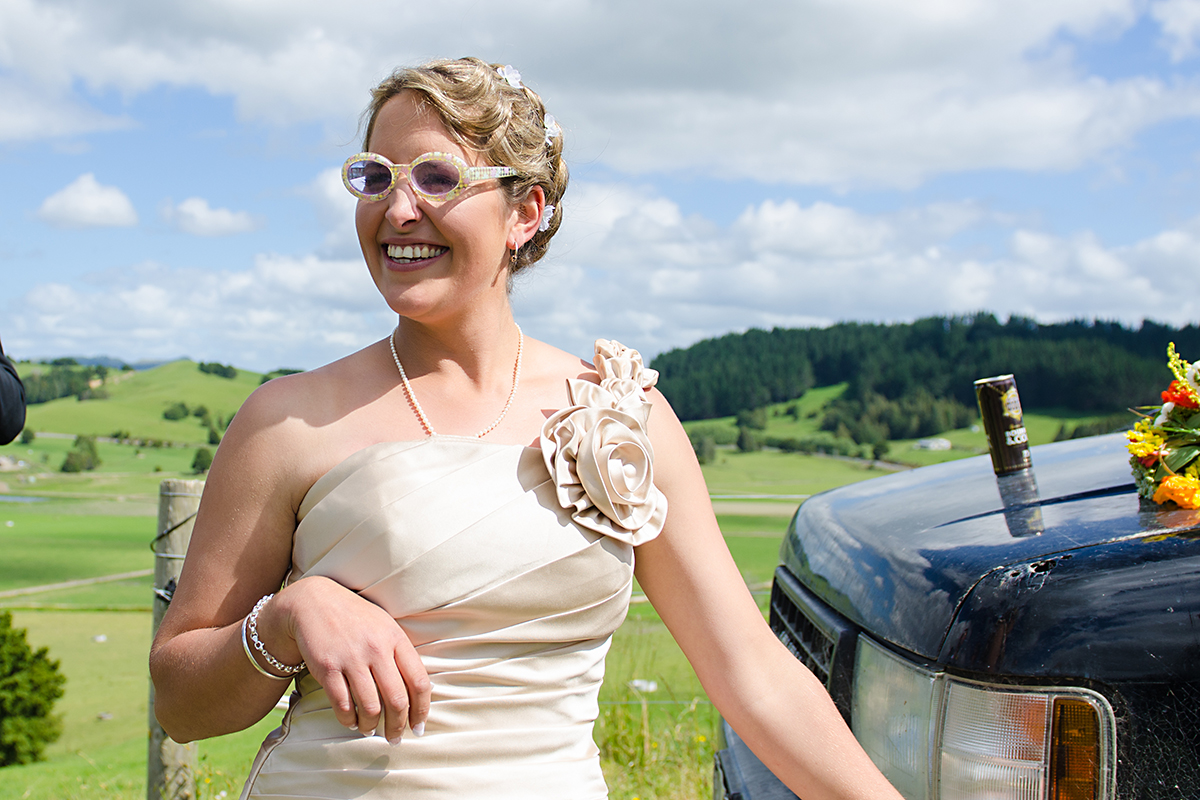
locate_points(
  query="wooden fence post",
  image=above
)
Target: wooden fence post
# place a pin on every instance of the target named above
(171, 768)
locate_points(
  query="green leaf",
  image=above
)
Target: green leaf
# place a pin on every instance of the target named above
(1178, 459)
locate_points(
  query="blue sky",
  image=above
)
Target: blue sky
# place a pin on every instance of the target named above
(168, 171)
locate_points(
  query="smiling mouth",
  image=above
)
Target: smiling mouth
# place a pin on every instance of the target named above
(408, 254)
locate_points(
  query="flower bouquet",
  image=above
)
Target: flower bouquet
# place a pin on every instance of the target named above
(1164, 447)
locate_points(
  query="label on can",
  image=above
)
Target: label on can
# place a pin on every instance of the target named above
(1000, 409)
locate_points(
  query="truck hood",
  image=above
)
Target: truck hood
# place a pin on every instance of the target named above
(899, 555)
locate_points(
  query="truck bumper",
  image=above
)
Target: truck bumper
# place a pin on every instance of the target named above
(739, 775)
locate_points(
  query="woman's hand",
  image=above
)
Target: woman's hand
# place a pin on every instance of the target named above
(370, 670)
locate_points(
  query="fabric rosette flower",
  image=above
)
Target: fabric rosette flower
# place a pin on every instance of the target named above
(616, 362)
(599, 454)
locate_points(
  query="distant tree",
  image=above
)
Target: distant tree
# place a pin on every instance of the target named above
(63, 380)
(176, 411)
(83, 455)
(752, 418)
(202, 461)
(200, 411)
(220, 370)
(879, 450)
(1109, 424)
(29, 684)
(279, 373)
(1094, 366)
(63, 362)
(747, 441)
(27, 436)
(213, 436)
(720, 434)
(705, 447)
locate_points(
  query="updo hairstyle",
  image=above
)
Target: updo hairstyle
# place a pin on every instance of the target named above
(484, 113)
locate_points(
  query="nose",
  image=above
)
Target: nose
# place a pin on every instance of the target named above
(402, 205)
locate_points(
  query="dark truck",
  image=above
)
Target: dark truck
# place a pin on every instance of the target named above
(986, 642)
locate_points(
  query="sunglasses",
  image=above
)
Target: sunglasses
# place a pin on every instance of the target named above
(433, 176)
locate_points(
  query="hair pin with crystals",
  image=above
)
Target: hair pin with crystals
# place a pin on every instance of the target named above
(553, 129)
(509, 73)
(547, 215)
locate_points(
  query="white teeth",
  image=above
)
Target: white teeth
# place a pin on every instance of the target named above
(411, 253)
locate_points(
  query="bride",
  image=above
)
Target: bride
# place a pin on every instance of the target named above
(438, 534)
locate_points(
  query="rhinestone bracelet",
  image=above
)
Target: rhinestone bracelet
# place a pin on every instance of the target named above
(250, 623)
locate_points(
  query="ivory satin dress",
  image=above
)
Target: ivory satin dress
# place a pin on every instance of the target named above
(509, 568)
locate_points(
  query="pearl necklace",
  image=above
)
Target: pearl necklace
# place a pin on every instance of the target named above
(420, 412)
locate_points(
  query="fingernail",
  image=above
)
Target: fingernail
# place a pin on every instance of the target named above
(394, 742)
(353, 727)
(419, 729)
(370, 733)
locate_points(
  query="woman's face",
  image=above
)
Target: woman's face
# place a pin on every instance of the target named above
(428, 259)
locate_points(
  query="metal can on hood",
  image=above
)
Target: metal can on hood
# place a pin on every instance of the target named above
(1000, 409)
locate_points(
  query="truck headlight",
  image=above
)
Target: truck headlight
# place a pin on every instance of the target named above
(940, 737)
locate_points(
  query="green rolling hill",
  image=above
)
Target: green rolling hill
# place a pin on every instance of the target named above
(136, 401)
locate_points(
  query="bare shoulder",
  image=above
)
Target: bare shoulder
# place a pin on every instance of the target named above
(298, 426)
(556, 362)
(547, 369)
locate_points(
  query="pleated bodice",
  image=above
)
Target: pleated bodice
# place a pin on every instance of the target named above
(510, 584)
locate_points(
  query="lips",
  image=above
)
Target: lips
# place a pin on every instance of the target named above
(410, 253)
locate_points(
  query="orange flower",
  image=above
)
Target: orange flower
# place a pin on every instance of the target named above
(1181, 395)
(1183, 489)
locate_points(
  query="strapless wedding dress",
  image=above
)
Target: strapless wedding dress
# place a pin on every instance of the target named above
(509, 568)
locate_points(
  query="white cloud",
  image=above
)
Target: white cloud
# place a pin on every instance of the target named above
(627, 264)
(1180, 22)
(194, 216)
(282, 311)
(840, 93)
(31, 114)
(335, 211)
(666, 284)
(85, 203)
(855, 92)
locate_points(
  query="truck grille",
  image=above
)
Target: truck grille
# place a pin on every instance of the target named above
(1162, 751)
(821, 638)
(805, 640)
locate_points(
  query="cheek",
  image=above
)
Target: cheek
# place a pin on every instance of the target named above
(367, 218)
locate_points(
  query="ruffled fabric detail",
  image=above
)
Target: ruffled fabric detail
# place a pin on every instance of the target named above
(598, 452)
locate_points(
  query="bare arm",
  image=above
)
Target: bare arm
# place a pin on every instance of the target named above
(240, 551)
(776, 705)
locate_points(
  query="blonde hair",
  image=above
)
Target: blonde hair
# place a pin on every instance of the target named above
(486, 114)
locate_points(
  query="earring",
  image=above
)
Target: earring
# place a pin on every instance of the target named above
(516, 249)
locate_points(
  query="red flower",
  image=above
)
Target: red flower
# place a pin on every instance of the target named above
(1148, 461)
(1181, 395)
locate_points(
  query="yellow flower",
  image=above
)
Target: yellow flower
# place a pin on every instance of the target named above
(1184, 490)
(1144, 440)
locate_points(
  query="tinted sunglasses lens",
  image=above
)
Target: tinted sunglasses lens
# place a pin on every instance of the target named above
(369, 177)
(435, 177)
